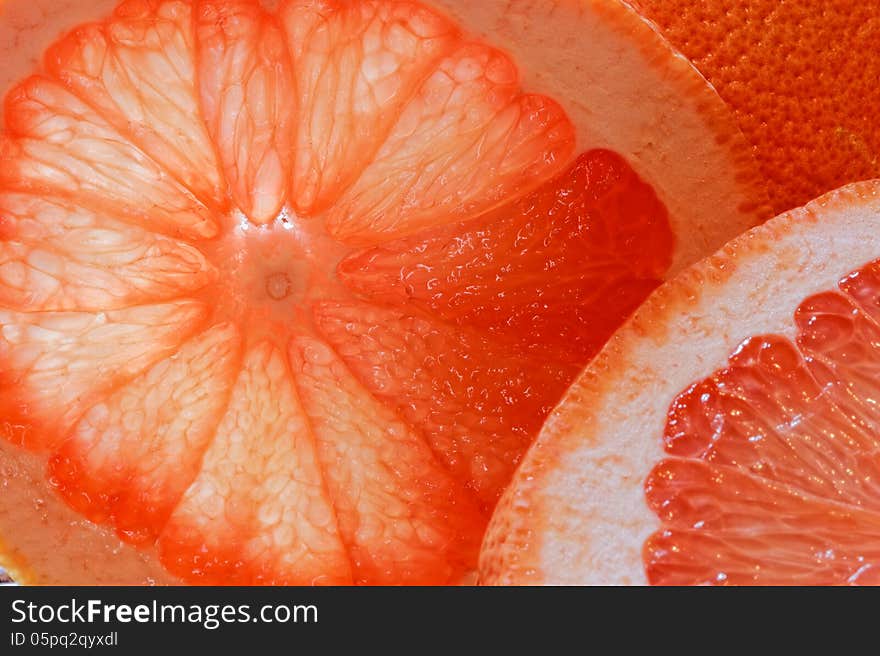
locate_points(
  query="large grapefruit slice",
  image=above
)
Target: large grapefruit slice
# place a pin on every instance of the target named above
(287, 289)
(727, 434)
(801, 77)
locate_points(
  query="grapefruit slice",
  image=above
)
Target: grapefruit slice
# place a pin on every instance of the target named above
(286, 293)
(727, 434)
(800, 77)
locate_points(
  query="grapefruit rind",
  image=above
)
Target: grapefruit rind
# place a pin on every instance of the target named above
(576, 510)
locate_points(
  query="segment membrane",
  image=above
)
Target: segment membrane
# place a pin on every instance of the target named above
(468, 141)
(131, 456)
(478, 402)
(356, 65)
(56, 365)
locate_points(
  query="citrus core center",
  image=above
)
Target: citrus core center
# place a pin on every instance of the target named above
(278, 286)
(271, 275)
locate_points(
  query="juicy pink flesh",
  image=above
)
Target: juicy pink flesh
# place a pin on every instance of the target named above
(773, 475)
(177, 195)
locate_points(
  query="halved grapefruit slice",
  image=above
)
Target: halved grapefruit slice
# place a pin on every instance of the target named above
(727, 434)
(286, 293)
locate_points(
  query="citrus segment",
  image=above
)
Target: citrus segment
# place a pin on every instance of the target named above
(477, 401)
(557, 271)
(248, 102)
(756, 410)
(467, 141)
(846, 368)
(357, 64)
(137, 69)
(401, 515)
(56, 365)
(60, 145)
(56, 255)
(130, 457)
(258, 512)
